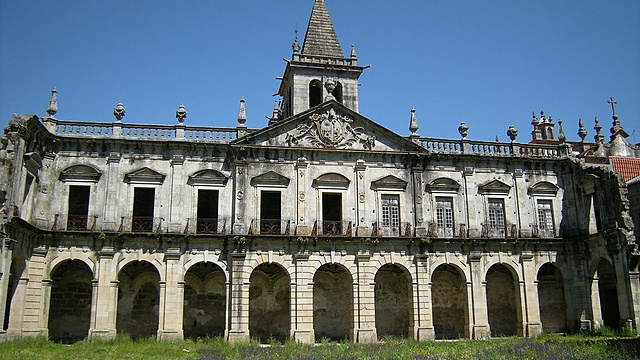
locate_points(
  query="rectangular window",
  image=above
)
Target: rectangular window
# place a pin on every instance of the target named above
(391, 211)
(496, 224)
(545, 219)
(143, 203)
(270, 212)
(444, 216)
(78, 207)
(332, 214)
(207, 217)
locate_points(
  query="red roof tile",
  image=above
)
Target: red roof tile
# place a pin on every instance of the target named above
(627, 167)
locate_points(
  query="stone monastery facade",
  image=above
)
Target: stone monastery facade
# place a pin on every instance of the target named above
(322, 224)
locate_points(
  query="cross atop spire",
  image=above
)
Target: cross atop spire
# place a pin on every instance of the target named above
(321, 38)
(613, 103)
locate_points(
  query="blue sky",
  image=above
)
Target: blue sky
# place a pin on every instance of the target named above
(489, 63)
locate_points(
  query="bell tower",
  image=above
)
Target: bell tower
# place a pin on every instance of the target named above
(319, 72)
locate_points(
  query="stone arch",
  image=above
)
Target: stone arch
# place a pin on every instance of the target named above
(205, 299)
(607, 293)
(66, 256)
(147, 258)
(502, 300)
(551, 299)
(332, 302)
(209, 260)
(138, 299)
(269, 302)
(393, 301)
(449, 302)
(70, 301)
(315, 93)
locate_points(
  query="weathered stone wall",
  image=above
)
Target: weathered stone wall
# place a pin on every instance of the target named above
(332, 303)
(448, 302)
(501, 301)
(70, 304)
(394, 308)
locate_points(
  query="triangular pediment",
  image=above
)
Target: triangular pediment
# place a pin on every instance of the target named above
(329, 126)
(495, 187)
(144, 176)
(83, 173)
(270, 178)
(543, 188)
(389, 182)
(208, 177)
(443, 185)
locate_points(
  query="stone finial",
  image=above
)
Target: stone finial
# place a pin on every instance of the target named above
(353, 52)
(543, 118)
(181, 113)
(275, 116)
(512, 133)
(561, 135)
(613, 103)
(296, 45)
(413, 124)
(119, 111)
(534, 120)
(463, 129)
(582, 132)
(52, 109)
(242, 114)
(599, 138)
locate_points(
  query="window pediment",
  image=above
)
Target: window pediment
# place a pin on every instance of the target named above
(83, 173)
(495, 187)
(543, 188)
(331, 181)
(144, 176)
(208, 177)
(443, 185)
(270, 178)
(389, 182)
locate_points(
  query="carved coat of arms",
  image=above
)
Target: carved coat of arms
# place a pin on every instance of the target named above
(330, 130)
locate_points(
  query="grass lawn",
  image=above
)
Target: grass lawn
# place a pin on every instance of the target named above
(544, 347)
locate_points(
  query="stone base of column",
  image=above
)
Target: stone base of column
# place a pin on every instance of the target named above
(102, 335)
(584, 325)
(481, 332)
(239, 228)
(170, 335)
(303, 230)
(424, 333)
(363, 231)
(421, 231)
(3, 336)
(238, 336)
(366, 336)
(303, 336)
(534, 330)
(110, 226)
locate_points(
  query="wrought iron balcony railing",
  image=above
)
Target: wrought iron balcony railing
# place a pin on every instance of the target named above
(71, 222)
(402, 230)
(141, 224)
(270, 227)
(333, 228)
(206, 226)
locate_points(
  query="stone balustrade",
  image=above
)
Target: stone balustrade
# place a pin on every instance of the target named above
(489, 148)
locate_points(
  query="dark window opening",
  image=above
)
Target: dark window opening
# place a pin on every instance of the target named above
(337, 92)
(143, 202)
(78, 207)
(332, 214)
(207, 222)
(270, 212)
(315, 93)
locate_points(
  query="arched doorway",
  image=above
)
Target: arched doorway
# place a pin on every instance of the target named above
(332, 303)
(448, 301)
(70, 302)
(138, 300)
(269, 303)
(553, 312)
(501, 301)
(205, 301)
(608, 292)
(394, 305)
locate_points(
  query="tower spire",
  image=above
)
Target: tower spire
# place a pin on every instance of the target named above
(321, 38)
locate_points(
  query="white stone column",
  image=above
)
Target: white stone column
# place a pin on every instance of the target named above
(239, 319)
(16, 317)
(177, 213)
(239, 217)
(478, 297)
(422, 307)
(5, 273)
(36, 297)
(596, 313)
(529, 301)
(418, 203)
(104, 299)
(302, 301)
(111, 216)
(302, 221)
(364, 301)
(634, 284)
(170, 325)
(361, 205)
